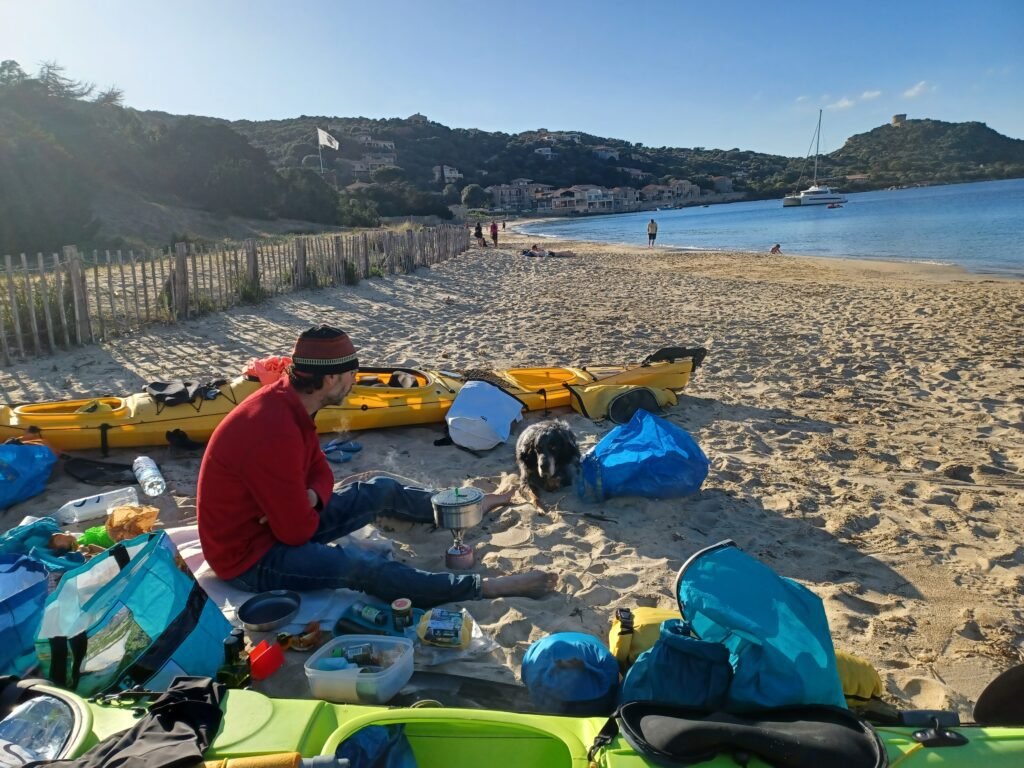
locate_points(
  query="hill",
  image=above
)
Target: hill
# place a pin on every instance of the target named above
(82, 168)
(931, 151)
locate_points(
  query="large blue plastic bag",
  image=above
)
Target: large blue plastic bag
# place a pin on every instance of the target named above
(133, 615)
(24, 471)
(648, 457)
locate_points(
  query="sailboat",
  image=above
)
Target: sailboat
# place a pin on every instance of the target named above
(816, 194)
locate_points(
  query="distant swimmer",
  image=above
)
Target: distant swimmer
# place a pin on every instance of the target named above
(652, 233)
(776, 248)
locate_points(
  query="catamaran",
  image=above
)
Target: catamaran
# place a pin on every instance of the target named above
(816, 194)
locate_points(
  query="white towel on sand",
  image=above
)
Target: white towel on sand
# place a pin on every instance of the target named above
(323, 605)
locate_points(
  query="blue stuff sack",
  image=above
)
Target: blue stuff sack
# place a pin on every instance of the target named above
(24, 471)
(377, 746)
(648, 457)
(679, 670)
(775, 630)
(22, 596)
(570, 673)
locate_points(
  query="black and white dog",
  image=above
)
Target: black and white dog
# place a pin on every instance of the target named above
(548, 457)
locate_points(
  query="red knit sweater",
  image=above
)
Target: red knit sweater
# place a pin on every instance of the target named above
(259, 463)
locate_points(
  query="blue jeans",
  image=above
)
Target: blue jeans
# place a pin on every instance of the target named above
(315, 565)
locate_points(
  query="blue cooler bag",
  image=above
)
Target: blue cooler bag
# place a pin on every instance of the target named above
(22, 596)
(133, 615)
(570, 673)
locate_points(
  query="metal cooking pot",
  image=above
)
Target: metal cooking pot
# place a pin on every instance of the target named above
(458, 508)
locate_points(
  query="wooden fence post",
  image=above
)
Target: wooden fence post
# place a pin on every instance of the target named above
(180, 280)
(82, 327)
(364, 244)
(59, 287)
(45, 292)
(299, 277)
(12, 295)
(252, 267)
(31, 300)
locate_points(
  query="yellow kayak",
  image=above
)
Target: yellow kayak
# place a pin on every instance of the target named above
(136, 420)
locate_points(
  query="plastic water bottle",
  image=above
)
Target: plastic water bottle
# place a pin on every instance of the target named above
(90, 507)
(148, 475)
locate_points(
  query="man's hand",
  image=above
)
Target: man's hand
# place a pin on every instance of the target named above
(310, 496)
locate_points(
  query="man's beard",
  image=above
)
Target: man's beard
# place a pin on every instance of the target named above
(336, 399)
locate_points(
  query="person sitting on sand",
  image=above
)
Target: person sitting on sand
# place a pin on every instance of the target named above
(266, 510)
(536, 250)
(478, 233)
(776, 249)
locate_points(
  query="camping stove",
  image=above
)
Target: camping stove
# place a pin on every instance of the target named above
(458, 509)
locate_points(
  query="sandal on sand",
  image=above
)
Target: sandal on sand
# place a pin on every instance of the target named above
(337, 457)
(349, 446)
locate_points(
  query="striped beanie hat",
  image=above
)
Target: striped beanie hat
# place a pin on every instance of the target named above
(324, 350)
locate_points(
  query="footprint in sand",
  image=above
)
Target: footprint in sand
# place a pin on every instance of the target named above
(922, 692)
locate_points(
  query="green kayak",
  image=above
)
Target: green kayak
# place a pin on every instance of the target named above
(440, 737)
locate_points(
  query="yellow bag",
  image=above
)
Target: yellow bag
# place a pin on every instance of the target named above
(861, 682)
(646, 631)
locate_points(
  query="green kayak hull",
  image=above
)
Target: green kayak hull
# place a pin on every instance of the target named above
(255, 724)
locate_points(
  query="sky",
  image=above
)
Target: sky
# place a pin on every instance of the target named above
(747, 74)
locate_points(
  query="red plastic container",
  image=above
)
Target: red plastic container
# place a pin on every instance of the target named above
(265, 659)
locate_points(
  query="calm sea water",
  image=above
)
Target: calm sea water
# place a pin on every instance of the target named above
(977, 226)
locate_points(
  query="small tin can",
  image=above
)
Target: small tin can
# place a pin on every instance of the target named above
(361, 654)
(401, 613)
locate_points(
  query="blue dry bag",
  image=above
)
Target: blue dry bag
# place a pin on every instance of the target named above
(570, 673)
(24, 471)
(775, 630)
(648, 456)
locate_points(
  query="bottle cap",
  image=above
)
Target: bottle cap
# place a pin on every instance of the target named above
(401, 604)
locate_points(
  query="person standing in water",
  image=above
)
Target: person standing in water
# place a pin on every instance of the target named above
(652, 233)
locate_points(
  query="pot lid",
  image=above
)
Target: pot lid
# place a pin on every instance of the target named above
(457, 497)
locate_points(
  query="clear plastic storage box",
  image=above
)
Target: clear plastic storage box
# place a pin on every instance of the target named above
(353, 685)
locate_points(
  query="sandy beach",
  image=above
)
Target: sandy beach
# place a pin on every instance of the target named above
(863, 422)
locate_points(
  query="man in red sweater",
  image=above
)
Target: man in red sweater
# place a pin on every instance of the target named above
(267, 512)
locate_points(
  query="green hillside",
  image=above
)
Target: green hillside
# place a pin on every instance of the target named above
(67, 152)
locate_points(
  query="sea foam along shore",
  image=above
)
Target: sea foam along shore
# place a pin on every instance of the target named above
(862, 420)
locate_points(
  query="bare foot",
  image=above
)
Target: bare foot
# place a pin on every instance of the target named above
(493, 500)
(529, 584)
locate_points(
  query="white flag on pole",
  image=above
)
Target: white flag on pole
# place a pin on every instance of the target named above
(326, 140)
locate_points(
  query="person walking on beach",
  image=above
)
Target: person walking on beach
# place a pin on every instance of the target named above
(776, 249)
(267, 510)
(494, 233)
(652, 233)
(478, 233)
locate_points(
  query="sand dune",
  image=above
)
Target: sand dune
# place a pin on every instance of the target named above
(863, 421)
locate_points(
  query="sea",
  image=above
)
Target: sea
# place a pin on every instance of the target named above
(978, 226)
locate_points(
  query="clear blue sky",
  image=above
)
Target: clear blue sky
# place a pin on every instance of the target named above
(746, 73)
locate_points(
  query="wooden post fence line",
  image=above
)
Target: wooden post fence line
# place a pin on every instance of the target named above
(52, 302)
